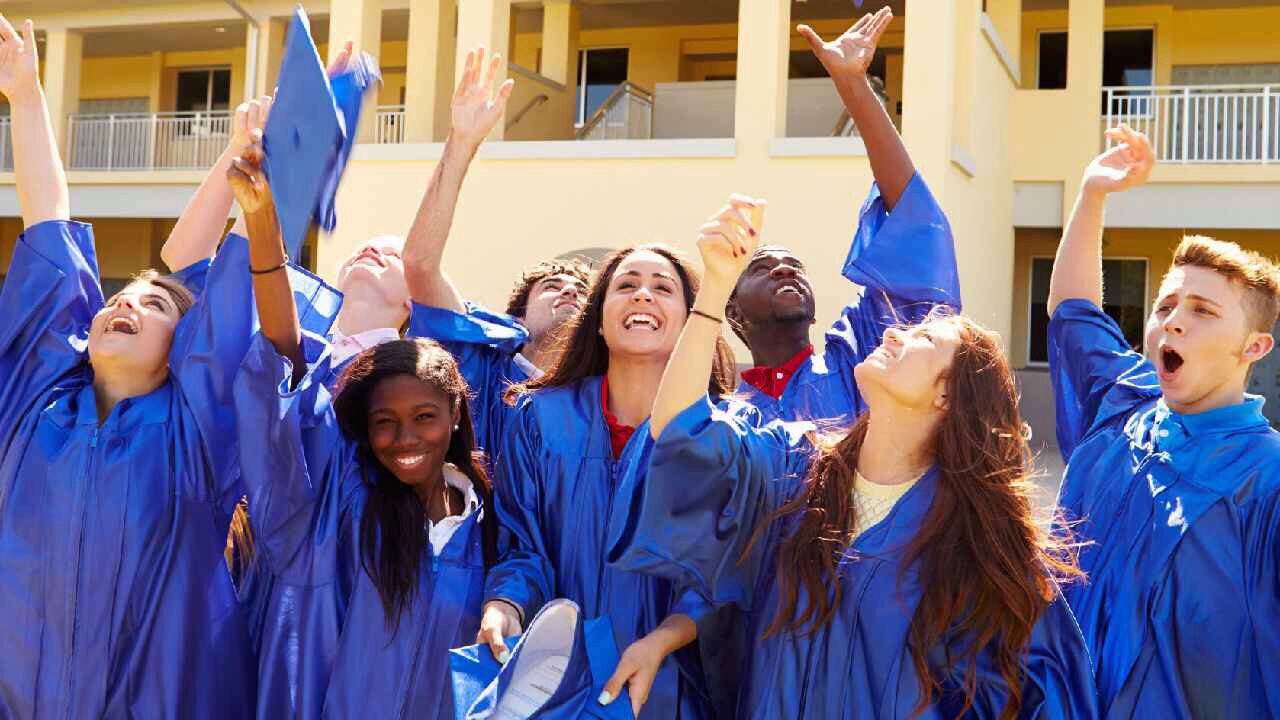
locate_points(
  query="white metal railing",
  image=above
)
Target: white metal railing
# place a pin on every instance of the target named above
(390, 124)
(1201, 123)
(6, 146)
(147, 141)
(627, 114)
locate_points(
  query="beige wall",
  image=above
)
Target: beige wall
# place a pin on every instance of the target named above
(125, 247)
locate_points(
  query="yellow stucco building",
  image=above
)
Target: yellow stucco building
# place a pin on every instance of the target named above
(632, 120)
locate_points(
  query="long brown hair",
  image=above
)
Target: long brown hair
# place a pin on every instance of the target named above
(391, 536)
(585, 353)
(987, 567)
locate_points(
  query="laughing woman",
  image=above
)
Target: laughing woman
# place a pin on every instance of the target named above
(558, 473)
(892, 573)
(370, 506)
(115, 490)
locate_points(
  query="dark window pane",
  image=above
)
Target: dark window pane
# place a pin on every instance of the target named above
(1127, 62)
(606, 70)
(221, 90)
(193, 91)
(1124, 300)
(1053, 61)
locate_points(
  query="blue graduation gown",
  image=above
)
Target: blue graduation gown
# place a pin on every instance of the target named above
(115, 595)
(556, 485)
(326, 649)
(906, 261)
(687, 513)
(485, 344)
(1183, 515)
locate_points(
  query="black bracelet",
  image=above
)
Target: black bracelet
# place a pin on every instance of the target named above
(268, 271)
(519, 610)
(713, 318)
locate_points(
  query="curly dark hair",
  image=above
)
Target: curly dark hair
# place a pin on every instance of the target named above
(518, 301)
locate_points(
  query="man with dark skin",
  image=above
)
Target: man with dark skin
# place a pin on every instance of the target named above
(902, 254)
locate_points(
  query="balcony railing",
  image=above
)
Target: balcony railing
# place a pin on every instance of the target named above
(390, 124)
(1202, 123)
(626, 114)
(6, 146)
(147, 141)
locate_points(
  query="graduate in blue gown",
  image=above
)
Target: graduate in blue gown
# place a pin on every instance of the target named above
(892, 570)
(558, 472)
(369, 507)
(902, 255)
(116, 490)
(494, 350)
(1173, 474)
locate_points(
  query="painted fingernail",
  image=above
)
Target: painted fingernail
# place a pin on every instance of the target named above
(753, 232)
(504, 656)
(605, 698)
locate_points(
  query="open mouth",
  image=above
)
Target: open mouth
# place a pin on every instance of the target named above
(122, 325)
(410, 461)
(788, 288)
(641, 320)
(1170, 362)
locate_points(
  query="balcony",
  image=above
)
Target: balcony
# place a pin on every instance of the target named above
(1201, 124)
(389, 125)
(147, 141)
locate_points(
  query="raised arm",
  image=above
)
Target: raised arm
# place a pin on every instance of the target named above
(726, 243)
(475, 112)
(196, 234)
(277, 313)
(846, 59)
(42, 183)
(1077, 270)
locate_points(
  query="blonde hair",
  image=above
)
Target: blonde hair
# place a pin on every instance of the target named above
(1255, 273)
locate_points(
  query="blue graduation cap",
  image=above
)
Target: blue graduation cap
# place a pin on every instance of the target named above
(307, 139)
(556, 672)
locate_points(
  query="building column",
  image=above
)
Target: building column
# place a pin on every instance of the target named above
(359, 21)
(1083, 129)
(1006, 17)
(270, 52)
(928, 88)
(64, 50)
(429, 71)
(487, 23)
(760, 95)
(561, 23)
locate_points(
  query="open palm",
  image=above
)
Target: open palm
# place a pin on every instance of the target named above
(1126, 165)
(18, 62)
(851, 53)
(475, 108)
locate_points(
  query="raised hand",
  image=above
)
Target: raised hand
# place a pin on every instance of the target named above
(476, 108)
(250, 116)
(728, 240)
(339, 63)
(1126, 165)
(19, 64)
(849, 55)
(249, 182)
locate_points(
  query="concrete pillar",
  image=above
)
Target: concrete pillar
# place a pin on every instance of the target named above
(1082, 130)
(561, 23)
(156, 86)
(270, 51)
(760, 98)
(1006, 17)
(359, 21)
(429, 71)
(488, 23)
(928, 88)
(64, 50)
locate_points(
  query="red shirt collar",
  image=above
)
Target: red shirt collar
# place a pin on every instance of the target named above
(619, 434)
(772, 381)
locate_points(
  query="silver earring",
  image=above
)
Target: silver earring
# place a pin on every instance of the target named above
(455, 427)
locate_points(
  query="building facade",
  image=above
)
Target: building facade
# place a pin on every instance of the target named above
(632, 120)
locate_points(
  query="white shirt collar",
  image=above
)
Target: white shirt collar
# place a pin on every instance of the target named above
(532, 371)
(439, 534)
(345, 347)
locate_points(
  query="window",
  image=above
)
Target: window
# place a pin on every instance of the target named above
(600, 72)
(1128, 59)
(202, 91)
(1051, 72)
(1124, 300)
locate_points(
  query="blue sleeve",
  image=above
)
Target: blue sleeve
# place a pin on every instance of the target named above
(697, 533)
(1262, 584)
(293, 457)
(1095, 374)
(1059, 684)
(906, 261)
(46, 307)
(484, 344)
(525, 575)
